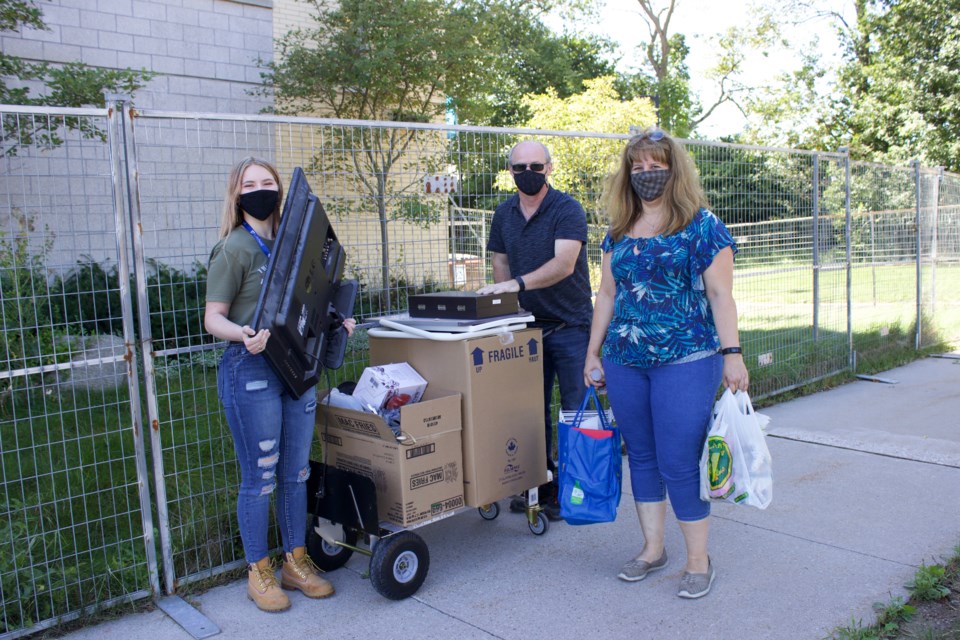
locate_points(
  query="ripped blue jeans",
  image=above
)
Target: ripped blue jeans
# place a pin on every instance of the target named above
(272, 432)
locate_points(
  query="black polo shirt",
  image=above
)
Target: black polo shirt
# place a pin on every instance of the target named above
(529, 244)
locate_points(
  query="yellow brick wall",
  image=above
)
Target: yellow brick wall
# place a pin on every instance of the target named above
(290, 14)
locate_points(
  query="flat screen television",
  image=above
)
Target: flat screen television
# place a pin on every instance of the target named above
(303, 300)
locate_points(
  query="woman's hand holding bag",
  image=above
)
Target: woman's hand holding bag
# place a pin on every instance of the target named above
(590, 468)
(735, 465)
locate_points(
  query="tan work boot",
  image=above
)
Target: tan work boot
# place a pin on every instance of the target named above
(262, 588)
(299, 572)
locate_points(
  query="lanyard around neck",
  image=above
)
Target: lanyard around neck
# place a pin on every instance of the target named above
(263, 247)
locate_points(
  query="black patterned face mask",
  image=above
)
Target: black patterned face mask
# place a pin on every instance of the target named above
(649, 185)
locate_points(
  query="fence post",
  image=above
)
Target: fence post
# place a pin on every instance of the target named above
(816, 246)
(119, 145)
(917, 250)
(149, 361)
(847, 233)
(935, 244)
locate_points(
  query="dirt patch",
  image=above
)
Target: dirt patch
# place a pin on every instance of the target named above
(936, 620)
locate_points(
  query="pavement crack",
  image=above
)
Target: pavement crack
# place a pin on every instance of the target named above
(457, 618)
(821, 543)
(882, 454)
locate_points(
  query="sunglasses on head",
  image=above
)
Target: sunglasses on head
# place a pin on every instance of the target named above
(520, 167)
(653, 134)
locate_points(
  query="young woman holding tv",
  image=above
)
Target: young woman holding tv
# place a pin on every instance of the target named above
(272, 430)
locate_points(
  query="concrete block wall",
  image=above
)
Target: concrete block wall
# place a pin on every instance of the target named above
(205, 51)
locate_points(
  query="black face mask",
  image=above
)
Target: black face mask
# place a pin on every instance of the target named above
(530, 182)
(649, 185)
(261, 203)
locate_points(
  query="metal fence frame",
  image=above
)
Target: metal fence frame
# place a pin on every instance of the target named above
(163, 163)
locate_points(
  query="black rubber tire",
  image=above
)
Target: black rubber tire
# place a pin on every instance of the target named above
(490, 511)
(329, 557)
(399, 565)
(541, 526)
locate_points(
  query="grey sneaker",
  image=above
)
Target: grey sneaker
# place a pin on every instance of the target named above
(697, 585)
(637, 570)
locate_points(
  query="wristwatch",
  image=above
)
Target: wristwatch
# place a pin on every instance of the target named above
(520, 282)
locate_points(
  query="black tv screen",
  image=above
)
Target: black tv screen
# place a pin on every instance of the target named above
(303, 300)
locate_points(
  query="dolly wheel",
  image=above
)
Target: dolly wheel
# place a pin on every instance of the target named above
(489, 511)
(399, 565)
(541, 525)
(328, 556)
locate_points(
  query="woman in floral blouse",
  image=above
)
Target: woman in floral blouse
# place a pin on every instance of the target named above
(666, 322)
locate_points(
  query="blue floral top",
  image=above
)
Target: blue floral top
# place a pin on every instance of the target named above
(660, 311)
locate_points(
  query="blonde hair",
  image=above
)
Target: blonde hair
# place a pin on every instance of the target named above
(232, 213)
(682, 196)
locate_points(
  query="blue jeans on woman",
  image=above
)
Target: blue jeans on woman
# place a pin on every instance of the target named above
(272, 432)
(664, 415)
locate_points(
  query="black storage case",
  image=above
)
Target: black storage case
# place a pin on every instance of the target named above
(465, 305)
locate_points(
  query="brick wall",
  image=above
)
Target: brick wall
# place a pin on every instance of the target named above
(204, 50)
(290, 14)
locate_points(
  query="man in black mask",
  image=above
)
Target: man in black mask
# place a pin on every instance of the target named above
(538, 239)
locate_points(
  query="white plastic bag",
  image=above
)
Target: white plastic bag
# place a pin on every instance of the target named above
(735, 465)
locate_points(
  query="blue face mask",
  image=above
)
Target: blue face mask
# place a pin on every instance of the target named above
(261, 203)
(530, 182)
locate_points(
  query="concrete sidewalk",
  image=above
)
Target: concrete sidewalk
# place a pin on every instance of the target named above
(864, 492)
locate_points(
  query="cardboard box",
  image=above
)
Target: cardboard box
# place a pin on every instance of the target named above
(416, 480)
(467, 305)
(389, 386)
(501, 381)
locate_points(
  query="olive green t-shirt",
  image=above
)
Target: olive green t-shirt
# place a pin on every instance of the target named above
(235, 274)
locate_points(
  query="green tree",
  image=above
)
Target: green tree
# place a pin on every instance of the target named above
(896, 96)
(414, 61)
(667, 77)
(790, 112)
(73, 84)
(680, 111)
(532, 59)
(393, 61)
(580, 164)
(749, 186)
(902, 82)
(676, 105)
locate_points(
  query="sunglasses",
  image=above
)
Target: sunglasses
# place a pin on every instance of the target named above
(654, 134)
(520, 167)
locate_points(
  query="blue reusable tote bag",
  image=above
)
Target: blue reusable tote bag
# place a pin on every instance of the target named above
(591, 468)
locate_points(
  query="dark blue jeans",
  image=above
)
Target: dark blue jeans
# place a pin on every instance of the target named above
(564, 353)
(272, 432)
(664, 415)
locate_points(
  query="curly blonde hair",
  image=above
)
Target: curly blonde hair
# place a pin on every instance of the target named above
(683, 194)
(232, 213)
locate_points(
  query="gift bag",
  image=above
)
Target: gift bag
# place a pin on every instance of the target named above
(590, 467)
(735, 465)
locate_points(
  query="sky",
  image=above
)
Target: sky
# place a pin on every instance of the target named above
(699, 20)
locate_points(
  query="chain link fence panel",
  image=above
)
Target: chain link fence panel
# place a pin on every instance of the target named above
(836, 260)
(75, 517)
